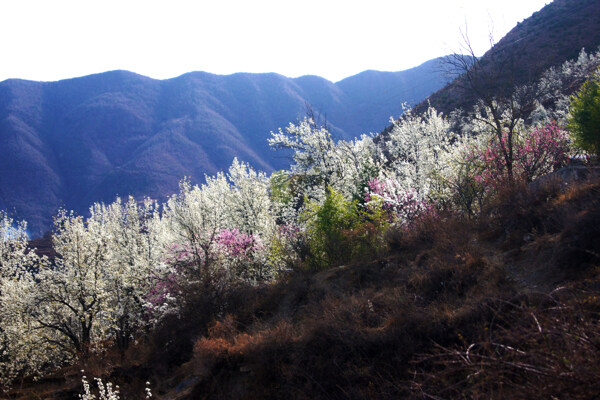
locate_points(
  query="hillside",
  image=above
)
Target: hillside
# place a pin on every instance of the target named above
(548, 38)
(510, 298)
(77, 141)
(426, 263)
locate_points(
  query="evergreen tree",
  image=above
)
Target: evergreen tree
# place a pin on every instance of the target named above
(584, 122)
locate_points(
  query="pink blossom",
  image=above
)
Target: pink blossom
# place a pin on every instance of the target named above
(537, 153)
(236, 243)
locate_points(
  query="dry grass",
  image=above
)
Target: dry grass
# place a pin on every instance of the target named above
(548, 350)
(457, 308)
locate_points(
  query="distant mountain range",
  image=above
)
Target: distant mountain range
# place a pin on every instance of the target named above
(73, 142)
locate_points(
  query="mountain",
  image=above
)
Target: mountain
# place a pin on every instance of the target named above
(73, 142)
(551, 36)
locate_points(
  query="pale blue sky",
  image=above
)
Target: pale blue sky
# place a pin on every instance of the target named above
(52, 40)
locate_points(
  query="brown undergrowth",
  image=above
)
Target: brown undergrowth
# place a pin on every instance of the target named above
(500, 306)
(532, 349)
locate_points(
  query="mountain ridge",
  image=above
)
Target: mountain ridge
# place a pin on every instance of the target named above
(549, 37)
(73, 142)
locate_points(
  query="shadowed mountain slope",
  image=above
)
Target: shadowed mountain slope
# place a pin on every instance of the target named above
(72, 142)
(548, 38)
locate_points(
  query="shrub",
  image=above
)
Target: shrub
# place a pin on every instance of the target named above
(325, 226)
(534, 154)
(584, 122)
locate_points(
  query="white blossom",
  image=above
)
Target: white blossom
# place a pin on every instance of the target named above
(417, 145)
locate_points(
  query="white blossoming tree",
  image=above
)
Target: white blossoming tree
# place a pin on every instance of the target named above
(195, 216)
(223, 226)
(314, 154)
(138, 243)
(417, 145)
(320, 162)
(95, 291)
(360, 160)
(248, 202)
(20, 351)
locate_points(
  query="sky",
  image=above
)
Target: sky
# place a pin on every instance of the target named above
(59, 39)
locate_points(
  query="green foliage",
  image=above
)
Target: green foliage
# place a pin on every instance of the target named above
(326, 225)
(280, 188)
(367, 172)
(341, 231)
(584, 122)
(367, 237)
(287, 190)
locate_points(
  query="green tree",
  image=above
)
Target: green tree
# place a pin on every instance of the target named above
(584, 122)
(327, 226)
